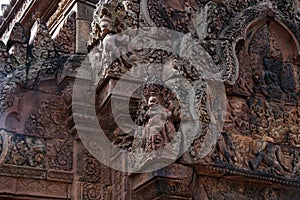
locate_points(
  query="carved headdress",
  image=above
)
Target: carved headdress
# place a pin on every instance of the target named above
(111, 12)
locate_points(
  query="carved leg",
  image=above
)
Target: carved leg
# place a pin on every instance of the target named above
(258, 161)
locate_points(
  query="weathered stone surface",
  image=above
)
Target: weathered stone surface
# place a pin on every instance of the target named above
(249, 151)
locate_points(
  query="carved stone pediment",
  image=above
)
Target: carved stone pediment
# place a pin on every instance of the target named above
(261, 126)
(253, 49)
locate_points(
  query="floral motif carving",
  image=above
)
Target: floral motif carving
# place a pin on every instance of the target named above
(92, 171)
(60, 154)
(95, 177)
(94, 191)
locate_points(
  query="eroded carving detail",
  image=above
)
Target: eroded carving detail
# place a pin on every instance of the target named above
(17, 46)
(42, 46)
(5, 65)
(112, 17)
(27, 151)
(261, 128)
(65, 40)
(60, 154)
(50, 121)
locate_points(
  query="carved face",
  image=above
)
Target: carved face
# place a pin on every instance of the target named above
(152, 101)
(105, 26)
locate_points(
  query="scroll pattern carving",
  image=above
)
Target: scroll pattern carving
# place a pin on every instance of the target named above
(50, 121)
(94, 191)
(95, 177)
(44, 188)
(60, 154)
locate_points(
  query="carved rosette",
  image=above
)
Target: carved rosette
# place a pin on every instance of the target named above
(95, 178)
(94, 192)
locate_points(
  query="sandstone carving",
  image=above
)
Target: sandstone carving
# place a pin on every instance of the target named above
(220, 100)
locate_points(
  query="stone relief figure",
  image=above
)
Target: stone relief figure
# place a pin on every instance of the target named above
(159, 129)
(225, 149)
(157, 136)
(294, 129)
(272, 156)
(106, 41)
(110, 41)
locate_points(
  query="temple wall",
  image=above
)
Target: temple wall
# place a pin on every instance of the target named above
(145, 99)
